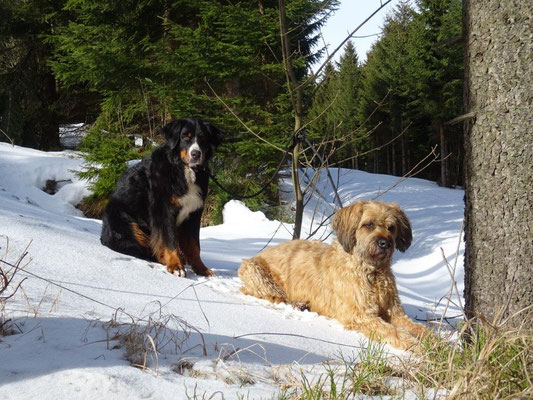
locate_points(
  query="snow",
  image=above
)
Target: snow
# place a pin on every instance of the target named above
(79, 298)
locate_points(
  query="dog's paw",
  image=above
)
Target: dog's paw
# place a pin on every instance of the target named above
(418, 330)
(205, 272)
(177, 270)
(402, 339)
(409, 342)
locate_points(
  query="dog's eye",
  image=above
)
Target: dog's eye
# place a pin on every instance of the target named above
(369, 225)
(187, 137)
(391, 228)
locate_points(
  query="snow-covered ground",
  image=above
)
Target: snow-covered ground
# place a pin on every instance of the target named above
(79, 297)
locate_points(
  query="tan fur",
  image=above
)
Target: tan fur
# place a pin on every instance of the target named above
(175, 200)
(350, 280)
(172, 260)
(141, 237)
(184, 155)
(164, 255)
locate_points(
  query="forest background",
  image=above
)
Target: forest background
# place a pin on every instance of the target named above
(127, 68)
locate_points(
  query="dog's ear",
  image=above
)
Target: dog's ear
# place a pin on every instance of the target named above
(404, 233)
(345, 223)
(215, 135)
(172, 131)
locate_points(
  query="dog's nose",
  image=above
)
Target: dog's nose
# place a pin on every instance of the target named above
(195, 155)
(384, 243)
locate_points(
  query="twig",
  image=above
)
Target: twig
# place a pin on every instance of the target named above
(240, 120)
(8, 138)
(411, 173)
(298, 336)
(317, 72)
(451, 271)
(375, 148)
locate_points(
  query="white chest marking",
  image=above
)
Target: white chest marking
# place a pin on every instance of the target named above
(192, 200)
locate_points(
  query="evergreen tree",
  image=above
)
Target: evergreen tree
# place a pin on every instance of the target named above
(411, 84)
(334, 109)
(441, 52)
(28, 93)
(386, 105)
(151, 61)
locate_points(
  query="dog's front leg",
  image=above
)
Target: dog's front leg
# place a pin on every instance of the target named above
(173, 262)
(191, 251)
(163, 238)
(378, 329)
(401, 320)
(189, 243)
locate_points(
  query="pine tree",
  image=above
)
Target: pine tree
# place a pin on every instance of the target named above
(29, 111)
(441, 52)
(412, 86)
(334, 109)
(387, 95)
(151, 61)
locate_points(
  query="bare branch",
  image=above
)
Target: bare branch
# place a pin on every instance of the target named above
(7, 136)
(240, 120)
(461, 118)
(317, 72)
(376, 148)
(413, 171)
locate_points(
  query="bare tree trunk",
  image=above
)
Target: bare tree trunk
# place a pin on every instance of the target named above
(375, 158)
(393, 158)
(498, 158)
(444, 173)
(296, 92)
(404, 155)
(49, 139)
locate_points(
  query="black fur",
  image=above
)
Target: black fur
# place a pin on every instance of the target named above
(150, 196)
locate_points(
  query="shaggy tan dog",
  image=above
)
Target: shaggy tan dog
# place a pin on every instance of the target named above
(350, 280)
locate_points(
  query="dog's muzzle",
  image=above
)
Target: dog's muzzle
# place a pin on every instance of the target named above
(196, 156)
(384, 244)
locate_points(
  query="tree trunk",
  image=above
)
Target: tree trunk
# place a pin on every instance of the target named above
(444, 173)
(375, 156)
(49, 124)
(393, 159)
(404, 156)
(387, 156)
(296, 93)
(498, 159)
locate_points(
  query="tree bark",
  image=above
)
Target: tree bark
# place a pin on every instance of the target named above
(49, 119)
(444, 163)
(404, 155)
(296, 93)
(499, 159)
(393, 158)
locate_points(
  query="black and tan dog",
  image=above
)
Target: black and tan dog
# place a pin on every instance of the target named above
(350, 280)
(155, 211)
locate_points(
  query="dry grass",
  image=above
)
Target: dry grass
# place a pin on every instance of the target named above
(143, 340)
(8, 287)
(484, 362)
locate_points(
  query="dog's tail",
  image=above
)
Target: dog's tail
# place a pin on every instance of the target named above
(259, 282)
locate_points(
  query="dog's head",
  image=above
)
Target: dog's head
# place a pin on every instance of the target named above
(372, 230)
(192, 141)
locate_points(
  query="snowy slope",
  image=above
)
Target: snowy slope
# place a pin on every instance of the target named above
(66, 313)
